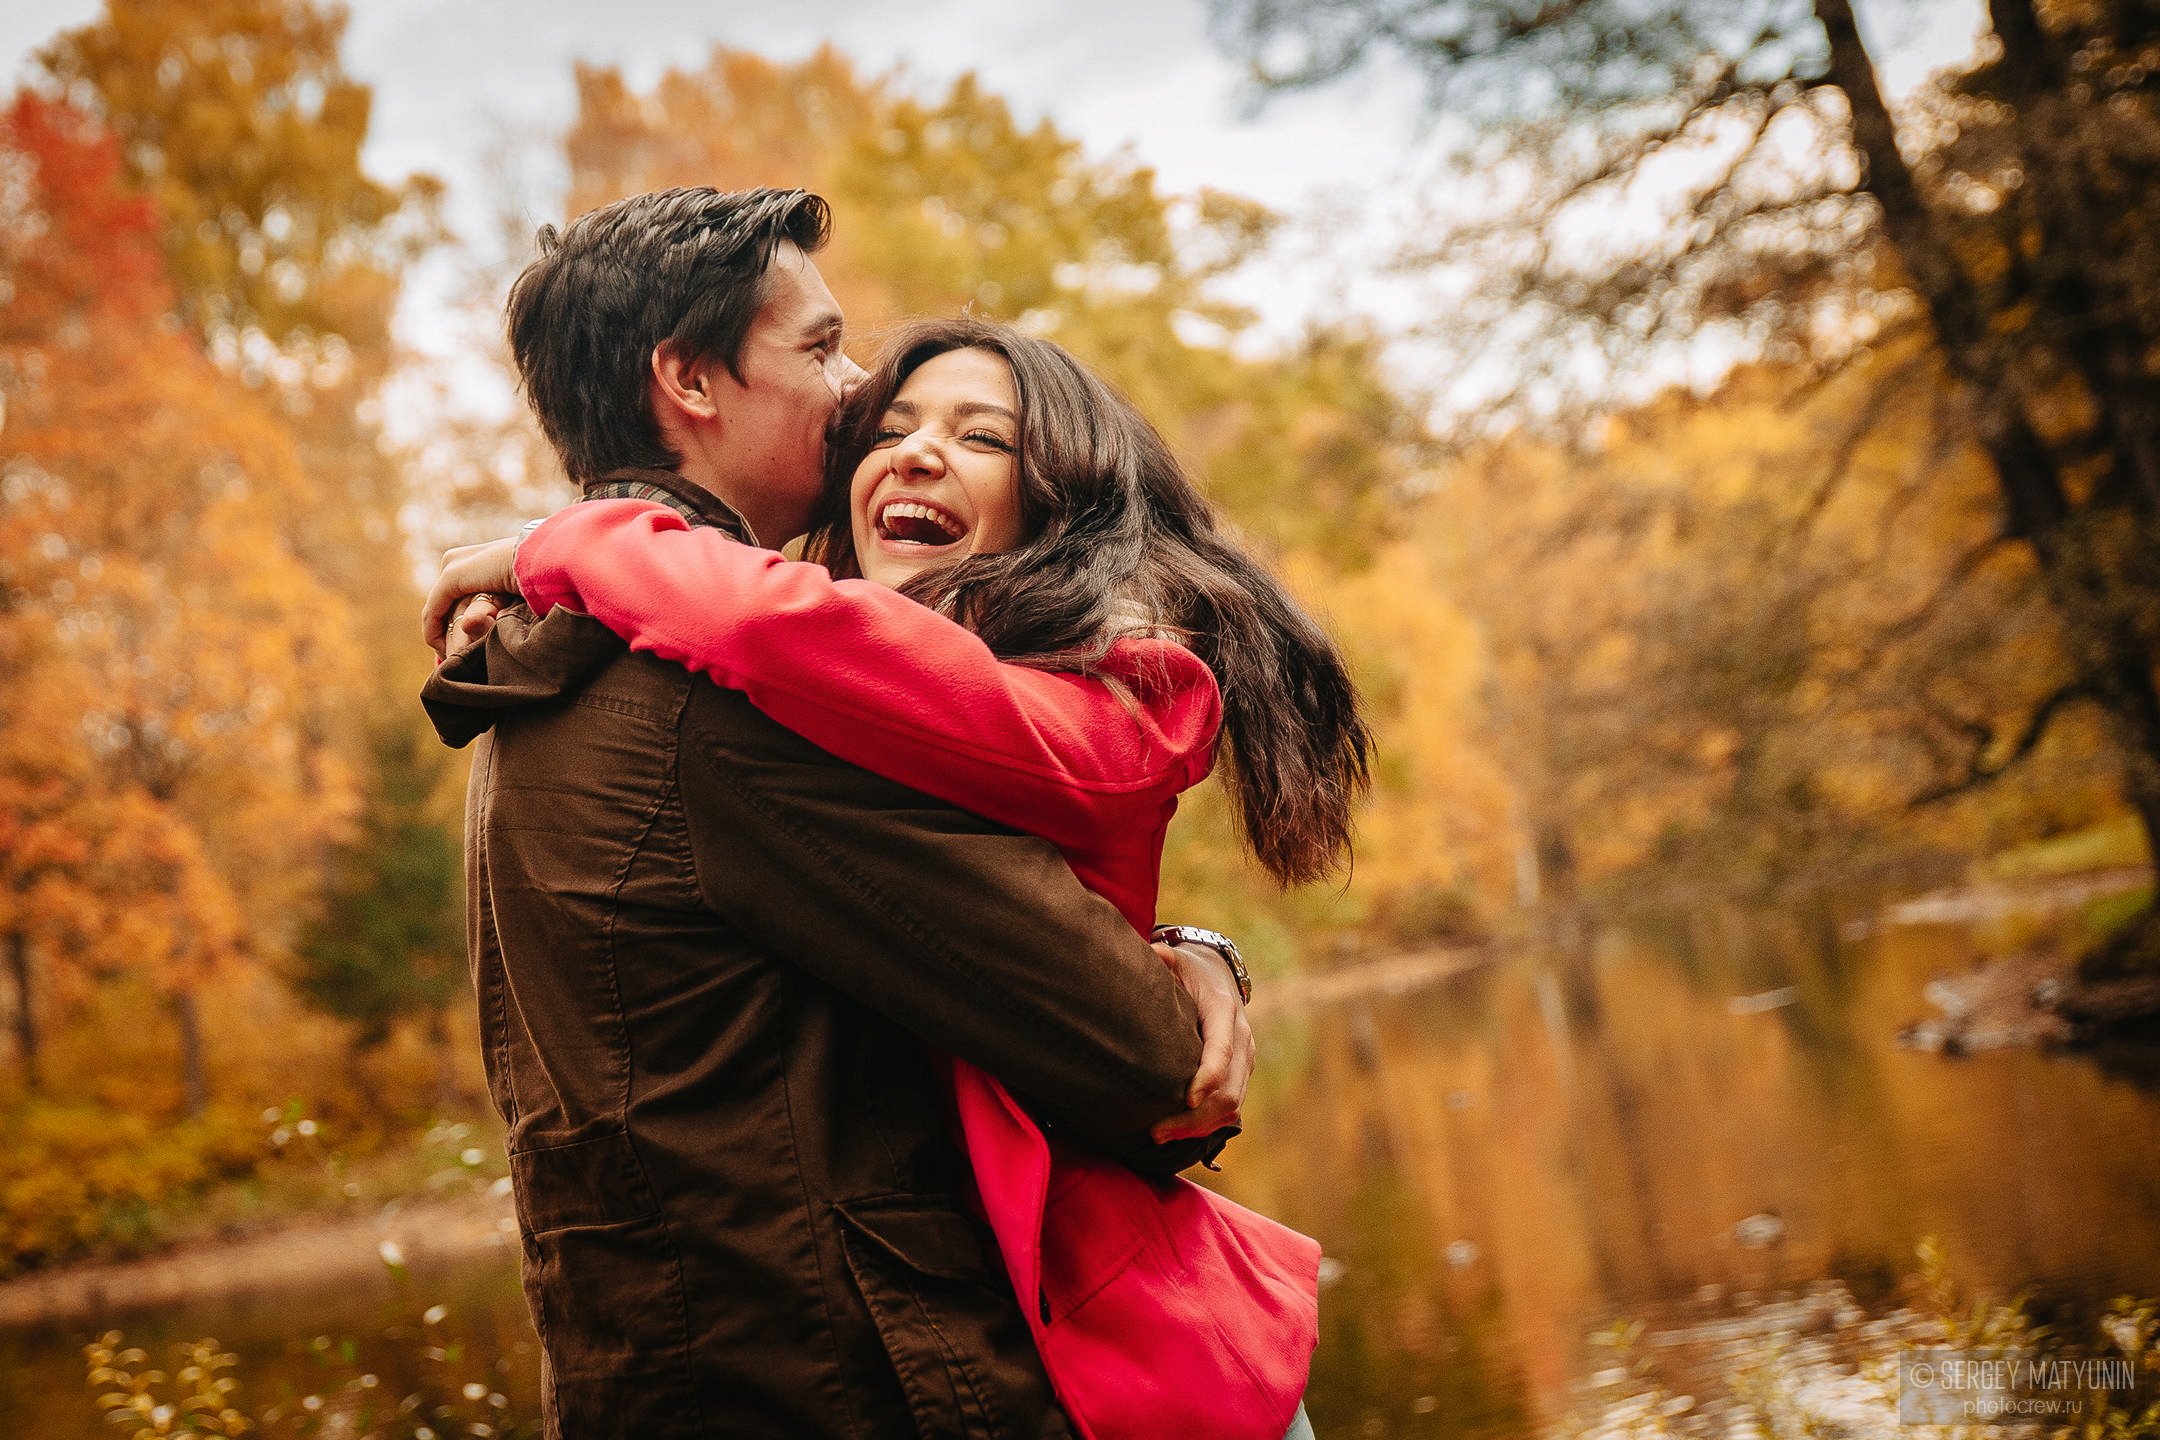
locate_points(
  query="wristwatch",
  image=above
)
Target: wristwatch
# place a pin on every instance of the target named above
(524, 533)
(1223, 945)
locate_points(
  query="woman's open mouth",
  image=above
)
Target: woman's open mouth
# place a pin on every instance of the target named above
(919, 525)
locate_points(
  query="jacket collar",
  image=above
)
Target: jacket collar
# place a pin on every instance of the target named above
(687, 500)
(525, 662)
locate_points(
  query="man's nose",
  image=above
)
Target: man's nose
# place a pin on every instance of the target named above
(851, 376)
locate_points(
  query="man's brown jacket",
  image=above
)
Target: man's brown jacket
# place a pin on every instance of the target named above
(709, 958)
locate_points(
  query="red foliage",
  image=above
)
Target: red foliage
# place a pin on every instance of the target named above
(78, 245)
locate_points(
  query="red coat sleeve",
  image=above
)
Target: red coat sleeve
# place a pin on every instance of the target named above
(871, 676)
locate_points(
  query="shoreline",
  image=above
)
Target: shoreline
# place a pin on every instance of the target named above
(309, 1249)
(305, 1250)
(1392, 975)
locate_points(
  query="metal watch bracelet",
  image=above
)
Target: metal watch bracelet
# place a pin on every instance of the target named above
(1223, 945)
(524, 533)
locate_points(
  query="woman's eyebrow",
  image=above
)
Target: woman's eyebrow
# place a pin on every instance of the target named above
(982, 407)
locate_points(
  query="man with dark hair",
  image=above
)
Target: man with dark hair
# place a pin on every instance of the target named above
(708, 954)
(688, 331)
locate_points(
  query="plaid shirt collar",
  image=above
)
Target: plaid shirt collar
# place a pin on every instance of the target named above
(678, 494)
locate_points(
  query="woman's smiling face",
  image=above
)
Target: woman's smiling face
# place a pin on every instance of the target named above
(942, 479)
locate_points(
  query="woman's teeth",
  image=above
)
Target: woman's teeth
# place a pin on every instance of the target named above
(913, 524)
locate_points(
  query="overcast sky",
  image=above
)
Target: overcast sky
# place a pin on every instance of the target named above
(452, 79)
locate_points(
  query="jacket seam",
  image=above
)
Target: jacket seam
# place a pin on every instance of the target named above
(498, 988)
(682, 1296)
(630, 708)
(957, 1363)
(629, 1071)
(636, 848)
(614, 981)
(959, 1373)
(810, 1226)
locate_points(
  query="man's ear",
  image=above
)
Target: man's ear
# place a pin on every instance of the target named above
(681, 386)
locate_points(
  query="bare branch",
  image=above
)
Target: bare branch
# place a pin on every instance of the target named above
(1981, 772)
(1842, 451)
(1961, 574)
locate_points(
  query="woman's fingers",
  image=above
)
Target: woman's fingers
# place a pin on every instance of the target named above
(1220, 1102)
(466, 570)
(474, 619)
(1216, 1027)
(1217, 1092)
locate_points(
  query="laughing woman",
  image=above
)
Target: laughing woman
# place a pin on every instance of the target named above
(1021, 604)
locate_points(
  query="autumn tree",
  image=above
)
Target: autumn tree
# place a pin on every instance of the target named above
(1682, 689)
(170, 656)
(1661, 180)
(239, 121)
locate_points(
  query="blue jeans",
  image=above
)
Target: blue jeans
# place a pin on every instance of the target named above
(1300, 1427)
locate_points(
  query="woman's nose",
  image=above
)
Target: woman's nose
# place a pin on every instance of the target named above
(919, 455)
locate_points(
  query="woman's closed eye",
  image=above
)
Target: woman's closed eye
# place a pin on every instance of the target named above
(894, 434)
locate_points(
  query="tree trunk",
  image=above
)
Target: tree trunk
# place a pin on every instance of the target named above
(2105, 344)
(194, 1073)
(26, 1032)
(2099, 620)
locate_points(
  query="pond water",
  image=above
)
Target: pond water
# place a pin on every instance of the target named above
(1499, 1165)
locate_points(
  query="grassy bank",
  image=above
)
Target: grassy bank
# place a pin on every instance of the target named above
(85, 1182)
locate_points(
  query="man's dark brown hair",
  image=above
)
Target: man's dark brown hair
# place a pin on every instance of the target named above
(686, 266)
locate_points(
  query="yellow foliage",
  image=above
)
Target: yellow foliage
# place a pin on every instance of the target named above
(1442, 817)
(82, 1177)
(1735, 638)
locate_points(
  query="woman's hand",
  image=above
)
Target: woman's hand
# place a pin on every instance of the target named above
(476, 615)
(467, 570)
(1226, 1044)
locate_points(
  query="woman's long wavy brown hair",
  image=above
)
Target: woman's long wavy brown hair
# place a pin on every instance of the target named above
(1123, 540)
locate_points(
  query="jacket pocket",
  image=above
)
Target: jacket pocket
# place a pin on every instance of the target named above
(586, 1182)
(946, 1316)
(606, 1288)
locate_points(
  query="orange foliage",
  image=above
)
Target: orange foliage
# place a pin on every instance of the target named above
(170, 660)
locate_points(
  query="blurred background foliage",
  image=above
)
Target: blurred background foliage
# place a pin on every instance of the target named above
(1794, 541)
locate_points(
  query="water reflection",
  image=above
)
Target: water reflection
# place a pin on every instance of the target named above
(1501, 1164)
(1506, 1162)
